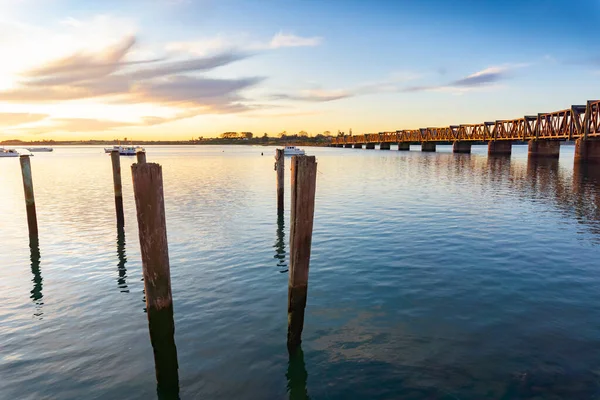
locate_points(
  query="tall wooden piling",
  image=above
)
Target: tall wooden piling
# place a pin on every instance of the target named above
(116, 167)
(29, 198)
(280, 168)
(141, 157)
(304, 177)
(150, 206)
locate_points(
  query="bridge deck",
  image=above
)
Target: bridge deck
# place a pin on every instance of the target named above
(570, 124)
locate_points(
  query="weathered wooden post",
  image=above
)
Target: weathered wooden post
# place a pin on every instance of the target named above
(141, 157)
(116, 167)
(150, 206)
(279, 167)
(304, 178)
(29, 198)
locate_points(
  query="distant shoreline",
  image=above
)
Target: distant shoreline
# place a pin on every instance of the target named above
(258, 142)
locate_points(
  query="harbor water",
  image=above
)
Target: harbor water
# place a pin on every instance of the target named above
(432, 276)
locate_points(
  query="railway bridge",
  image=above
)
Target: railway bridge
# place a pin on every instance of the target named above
(543, 132)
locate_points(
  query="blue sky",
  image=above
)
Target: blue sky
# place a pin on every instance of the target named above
(176, 69)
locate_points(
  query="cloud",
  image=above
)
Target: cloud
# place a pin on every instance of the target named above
(191, 65)
(63, 125)
(486, 78)
(110, 74)
(288, 40)
(219, 95)
(87, 124)
(15, 119)
(390, 84)
(483, 77)
(285, 114)
(242, 43)
(315, 95)
(82, 66)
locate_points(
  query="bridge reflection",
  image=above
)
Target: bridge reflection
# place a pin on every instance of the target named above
(573, 191)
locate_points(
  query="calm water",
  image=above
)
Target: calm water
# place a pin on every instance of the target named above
(433, 276)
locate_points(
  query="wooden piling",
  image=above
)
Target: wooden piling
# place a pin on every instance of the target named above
(116, 167)
(280, 168)
(141, 157)
(29, 198)
(150, 206)
(304, 177)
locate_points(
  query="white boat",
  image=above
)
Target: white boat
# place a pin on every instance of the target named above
(124, 150)
(293, 151)
(40, 149)
(9, 153)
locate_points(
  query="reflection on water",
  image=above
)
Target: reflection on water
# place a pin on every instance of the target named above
(280, 243)
(433, 276)
(122, 279)
(36, 292)
(586, 190)
(162, 337)
(297, 376)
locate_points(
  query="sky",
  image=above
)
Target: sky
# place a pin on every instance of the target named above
(180, 69)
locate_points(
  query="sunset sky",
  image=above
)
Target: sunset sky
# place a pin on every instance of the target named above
(176, 69)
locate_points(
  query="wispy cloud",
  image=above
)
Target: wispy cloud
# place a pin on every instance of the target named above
(15, 119)
(289, 40)
(284, 114)
(111, 74)
(315, 95)
(390, 84)
(485, 79)
(69, 125)
(243, 43)
(396, 83)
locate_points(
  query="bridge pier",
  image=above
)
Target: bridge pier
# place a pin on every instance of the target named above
(428, 146)
(404, 146)
(500, 148)
(384, 146)
(348, 145)
(587, 151)
(357, 146)
(544, 148)
(461, 147)
(370, 146)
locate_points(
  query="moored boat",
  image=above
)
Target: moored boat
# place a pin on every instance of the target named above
(40, 149)
(124, 150)
(293, 151)
(9, 153)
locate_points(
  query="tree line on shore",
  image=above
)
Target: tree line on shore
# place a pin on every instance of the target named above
(300, 138)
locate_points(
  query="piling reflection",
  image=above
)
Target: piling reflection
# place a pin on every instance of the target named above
(162, 337)
(36, 293)
(122, 270)
(280, 244)
(297, 376)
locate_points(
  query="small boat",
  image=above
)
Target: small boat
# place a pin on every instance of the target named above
(124, 150)
(40, 149)
(9, 153)
(293, 151)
